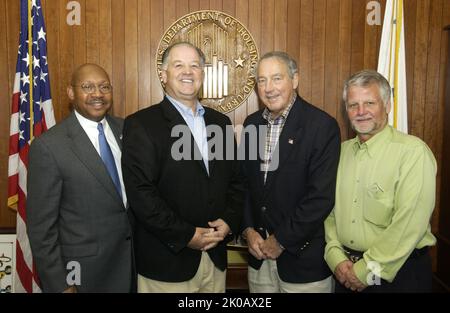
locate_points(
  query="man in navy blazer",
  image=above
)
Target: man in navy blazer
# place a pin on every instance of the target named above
(291, 183)
(185, 207)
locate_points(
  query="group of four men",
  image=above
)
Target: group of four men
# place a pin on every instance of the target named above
(133, 214)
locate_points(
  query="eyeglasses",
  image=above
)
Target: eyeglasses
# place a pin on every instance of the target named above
(91, 88)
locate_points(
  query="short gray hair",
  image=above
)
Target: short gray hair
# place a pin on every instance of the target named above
(283, 57)
(365, 78)
(165, 56)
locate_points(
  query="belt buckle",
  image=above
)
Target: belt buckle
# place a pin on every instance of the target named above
(351, 257)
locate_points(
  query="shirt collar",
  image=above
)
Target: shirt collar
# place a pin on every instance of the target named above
(374, 144)
(87, 122)
(283, 116)
(184, 109)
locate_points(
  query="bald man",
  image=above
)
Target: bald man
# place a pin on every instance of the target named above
(78, 223)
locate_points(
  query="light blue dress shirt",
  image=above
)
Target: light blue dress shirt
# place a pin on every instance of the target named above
(196, 124)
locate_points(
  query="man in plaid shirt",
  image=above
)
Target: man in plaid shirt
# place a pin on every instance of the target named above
(291, 186)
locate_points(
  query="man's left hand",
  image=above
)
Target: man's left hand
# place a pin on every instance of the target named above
(352, 281)
(221, 230)
(271, 248)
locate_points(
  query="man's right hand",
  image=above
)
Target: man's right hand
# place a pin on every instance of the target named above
(254, 241)
(199, 241)
(341, 270)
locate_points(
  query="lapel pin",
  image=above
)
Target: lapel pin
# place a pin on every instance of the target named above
(120, 137)
(291, 141)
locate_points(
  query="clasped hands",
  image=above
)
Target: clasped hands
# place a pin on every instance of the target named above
(260, 248)
(346, 276)
(206, 238)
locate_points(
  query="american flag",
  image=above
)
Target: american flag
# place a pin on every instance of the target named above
(31, 115)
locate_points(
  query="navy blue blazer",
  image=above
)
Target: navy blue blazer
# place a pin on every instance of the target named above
(299, 194)
(170, 197)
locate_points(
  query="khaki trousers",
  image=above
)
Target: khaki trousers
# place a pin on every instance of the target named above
(266, 280)
(208, 279)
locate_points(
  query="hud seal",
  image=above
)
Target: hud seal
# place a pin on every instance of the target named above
(230, 51)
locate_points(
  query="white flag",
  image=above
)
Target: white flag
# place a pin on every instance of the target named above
(391, 62)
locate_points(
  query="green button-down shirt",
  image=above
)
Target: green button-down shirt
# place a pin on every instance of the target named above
(385, 194)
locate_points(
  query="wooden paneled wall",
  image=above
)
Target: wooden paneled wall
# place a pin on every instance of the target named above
(329, 38)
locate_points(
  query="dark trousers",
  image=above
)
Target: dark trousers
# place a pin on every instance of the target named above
(414, 276)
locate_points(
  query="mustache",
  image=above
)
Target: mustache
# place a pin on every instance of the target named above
(362, 118)
(95, 100)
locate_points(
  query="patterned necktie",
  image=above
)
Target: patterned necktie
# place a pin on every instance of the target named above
(108, 158)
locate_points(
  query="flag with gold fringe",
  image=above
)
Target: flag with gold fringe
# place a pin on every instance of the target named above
(31, 115)
(392, 64)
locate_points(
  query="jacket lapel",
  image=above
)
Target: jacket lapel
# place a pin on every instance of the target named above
(289, 138)
(255, 165)
(211, 162)
(82, 147)
(116, 129)
(174, 118)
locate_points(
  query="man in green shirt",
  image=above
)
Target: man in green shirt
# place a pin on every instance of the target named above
(379, 231)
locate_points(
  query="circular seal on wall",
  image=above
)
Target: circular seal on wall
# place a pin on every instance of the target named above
(230, 51)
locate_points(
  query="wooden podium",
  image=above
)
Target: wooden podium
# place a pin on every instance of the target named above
(237, 268)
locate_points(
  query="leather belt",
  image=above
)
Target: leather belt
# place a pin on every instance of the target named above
(355, 256)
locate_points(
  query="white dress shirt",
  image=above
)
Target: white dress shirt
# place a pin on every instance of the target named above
(90, 128)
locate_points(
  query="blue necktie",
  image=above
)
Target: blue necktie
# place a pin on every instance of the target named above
(108, 158)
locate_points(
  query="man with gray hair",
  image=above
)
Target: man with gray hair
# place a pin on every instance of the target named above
(378, 233)
(291, 188)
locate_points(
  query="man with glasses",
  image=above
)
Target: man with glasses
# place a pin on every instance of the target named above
(379, 231)
(78, 223)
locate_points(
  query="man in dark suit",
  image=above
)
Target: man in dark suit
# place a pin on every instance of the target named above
(291, 185)
(76, 206)
(185, 207)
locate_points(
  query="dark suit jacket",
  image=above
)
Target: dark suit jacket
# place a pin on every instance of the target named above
(74, 213)
(170, 198)
(299, 194)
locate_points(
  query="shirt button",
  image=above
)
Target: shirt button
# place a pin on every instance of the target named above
(353, 221)
(351, 241)
(355, 200)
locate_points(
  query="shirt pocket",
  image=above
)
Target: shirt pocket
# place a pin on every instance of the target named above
(378, 206)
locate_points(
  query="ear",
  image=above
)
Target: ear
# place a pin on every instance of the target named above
(388, 107)
(295, 81)
(164, 76)
(70, 93)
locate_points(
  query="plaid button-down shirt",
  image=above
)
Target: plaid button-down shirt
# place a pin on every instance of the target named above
(274, 129)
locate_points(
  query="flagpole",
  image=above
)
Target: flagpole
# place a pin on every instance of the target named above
(392, 47)
(398, 31)
(30, 66)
